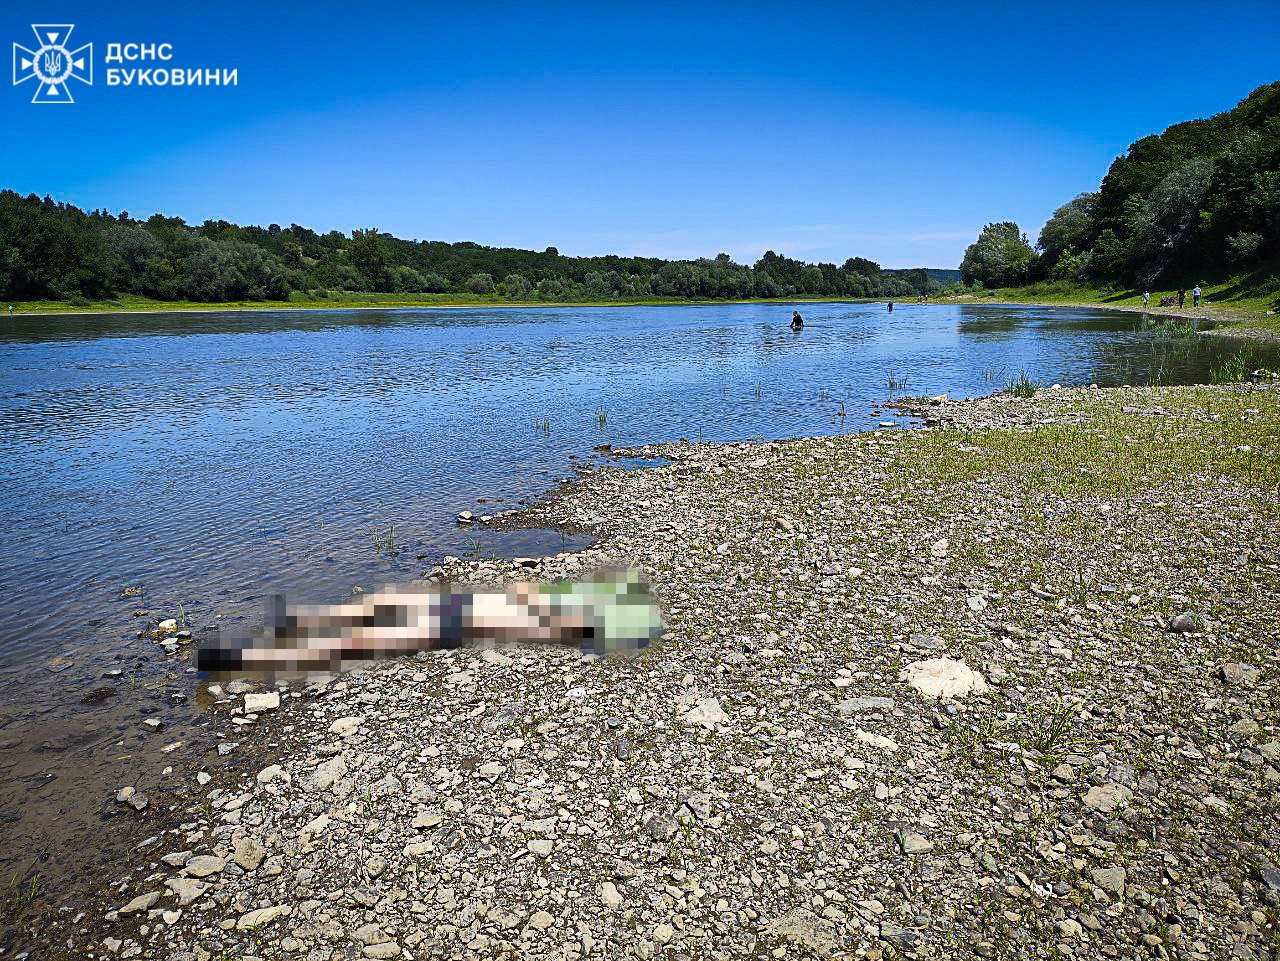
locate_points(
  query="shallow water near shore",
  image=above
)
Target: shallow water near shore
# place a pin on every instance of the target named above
(211, 459)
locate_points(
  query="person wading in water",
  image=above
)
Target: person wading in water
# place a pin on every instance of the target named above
(797, 322)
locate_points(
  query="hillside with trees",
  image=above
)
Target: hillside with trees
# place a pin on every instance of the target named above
(55, 251)
(1199, 200)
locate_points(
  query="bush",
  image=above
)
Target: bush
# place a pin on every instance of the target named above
(480, 283)
(1243, 246)
(433, 283)
(407, 280)
(518, 288)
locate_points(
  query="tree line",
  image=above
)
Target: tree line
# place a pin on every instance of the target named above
(1197, 200)
(52, 250)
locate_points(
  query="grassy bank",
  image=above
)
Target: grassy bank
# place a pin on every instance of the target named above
(1249, 303)
(351, 300)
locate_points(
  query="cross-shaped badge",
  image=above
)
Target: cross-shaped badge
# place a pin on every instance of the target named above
(52, 64)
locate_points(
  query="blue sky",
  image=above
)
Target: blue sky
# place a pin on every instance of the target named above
(821, 131)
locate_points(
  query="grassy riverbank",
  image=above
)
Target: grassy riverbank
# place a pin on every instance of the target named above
(766, 777)
(350, 301)
(1244, 304)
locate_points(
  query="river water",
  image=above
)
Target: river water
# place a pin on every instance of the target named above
(210, 459)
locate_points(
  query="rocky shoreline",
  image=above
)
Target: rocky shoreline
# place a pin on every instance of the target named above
(1005, 687)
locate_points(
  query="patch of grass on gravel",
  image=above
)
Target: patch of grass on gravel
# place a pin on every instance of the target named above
(1204, 435)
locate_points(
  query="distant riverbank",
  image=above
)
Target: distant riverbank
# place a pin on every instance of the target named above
(354, 301)
(1247, 314)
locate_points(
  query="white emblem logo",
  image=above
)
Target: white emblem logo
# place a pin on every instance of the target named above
(52, 64)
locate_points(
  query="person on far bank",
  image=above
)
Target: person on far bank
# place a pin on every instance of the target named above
(1182, 298)
(1195, 296)
(797, 322)
(1146, 297)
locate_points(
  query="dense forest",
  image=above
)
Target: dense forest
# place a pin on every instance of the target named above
(51, 250)
(1198, 200)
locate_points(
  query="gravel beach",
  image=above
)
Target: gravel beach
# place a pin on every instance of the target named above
(1006, 686)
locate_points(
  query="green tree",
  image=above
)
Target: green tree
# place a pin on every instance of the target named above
(1164, 227)
(1000, 257)
(368, 254)
(1070, 228)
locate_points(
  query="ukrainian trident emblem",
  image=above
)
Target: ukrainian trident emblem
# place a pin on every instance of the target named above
(51, 64)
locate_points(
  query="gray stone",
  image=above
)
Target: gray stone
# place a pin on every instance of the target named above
(913, 843)
(1110, 879)
(203, 865)
(862, 705)
(249, 853)
(141, 903)
(187, 890)
(1107, 797)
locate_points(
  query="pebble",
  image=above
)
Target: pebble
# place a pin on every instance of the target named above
(1107, 797)
(203, 865)
(249, 854)
(1110, 879)
(913, 843)
(141, 903)
(610, 896)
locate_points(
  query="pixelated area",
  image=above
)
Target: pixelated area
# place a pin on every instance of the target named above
(613, 613)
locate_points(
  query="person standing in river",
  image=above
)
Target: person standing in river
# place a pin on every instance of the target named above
(797, 322)
(891, 306)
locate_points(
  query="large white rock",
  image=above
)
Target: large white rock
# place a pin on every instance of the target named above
(943, 677)
(805, 929)
(141, 903)
(345, 726)
(610, 895)
(257, 703)
(273, 772)
(203, 865)
(707, 713)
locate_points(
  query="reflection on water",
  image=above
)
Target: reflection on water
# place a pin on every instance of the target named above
(210, 458)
